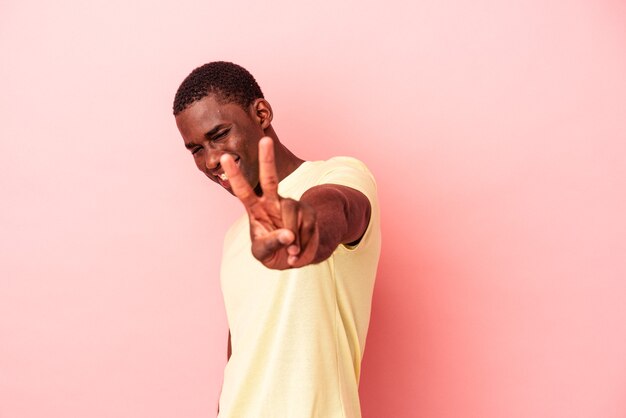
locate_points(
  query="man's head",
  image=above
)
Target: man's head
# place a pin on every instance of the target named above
(227, 82)
(220, 109)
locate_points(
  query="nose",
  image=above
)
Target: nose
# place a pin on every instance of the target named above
(212, 159)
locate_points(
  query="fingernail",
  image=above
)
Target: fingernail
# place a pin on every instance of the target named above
(284, 237)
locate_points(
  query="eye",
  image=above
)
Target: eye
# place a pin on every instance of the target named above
(196, 150)
(221, 134)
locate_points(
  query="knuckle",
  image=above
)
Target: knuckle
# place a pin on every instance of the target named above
(271, 181)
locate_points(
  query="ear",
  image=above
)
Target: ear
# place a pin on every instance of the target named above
(261, 111)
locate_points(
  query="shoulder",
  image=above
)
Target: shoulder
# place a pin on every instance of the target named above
(344, 162)
(238, 229)
(347, 171)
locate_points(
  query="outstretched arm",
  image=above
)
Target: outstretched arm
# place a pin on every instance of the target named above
(287, 233)
(343, 214)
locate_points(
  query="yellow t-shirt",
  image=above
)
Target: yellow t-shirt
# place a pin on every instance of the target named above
(298, 335)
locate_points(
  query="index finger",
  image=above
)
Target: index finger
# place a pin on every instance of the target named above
(238, 183)
(268, 177)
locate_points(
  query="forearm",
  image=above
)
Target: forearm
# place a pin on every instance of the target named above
(342, 216)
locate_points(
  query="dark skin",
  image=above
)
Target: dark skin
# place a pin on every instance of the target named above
(239, 149)
(288, 233)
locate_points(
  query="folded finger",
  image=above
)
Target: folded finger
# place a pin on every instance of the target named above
(264, 247)
(289, 209)
(307, 221)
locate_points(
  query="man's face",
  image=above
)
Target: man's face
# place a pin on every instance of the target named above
(211, 129)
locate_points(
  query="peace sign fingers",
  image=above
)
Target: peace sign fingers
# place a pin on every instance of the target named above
(283, 231)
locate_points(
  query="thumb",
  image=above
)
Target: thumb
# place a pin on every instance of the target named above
(263, 247)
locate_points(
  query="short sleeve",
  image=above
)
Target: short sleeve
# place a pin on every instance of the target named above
(350, 172)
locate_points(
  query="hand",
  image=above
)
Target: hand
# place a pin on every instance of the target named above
(284, 232)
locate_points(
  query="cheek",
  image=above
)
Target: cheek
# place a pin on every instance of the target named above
(250, 166)
(251, 173)
(200, 163)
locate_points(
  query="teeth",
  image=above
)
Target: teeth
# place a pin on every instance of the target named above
(223, 176)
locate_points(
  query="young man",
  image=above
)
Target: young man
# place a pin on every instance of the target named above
(298, 267)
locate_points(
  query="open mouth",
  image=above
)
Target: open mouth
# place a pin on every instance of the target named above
(223, 177)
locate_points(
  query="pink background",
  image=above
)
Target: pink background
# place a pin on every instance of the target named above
(497, 134)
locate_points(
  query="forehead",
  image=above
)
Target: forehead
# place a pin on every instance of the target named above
(205, 114)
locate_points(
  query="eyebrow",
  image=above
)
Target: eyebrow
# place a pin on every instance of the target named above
(208, 135)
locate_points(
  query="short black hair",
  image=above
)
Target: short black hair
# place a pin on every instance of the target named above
(230, 83)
